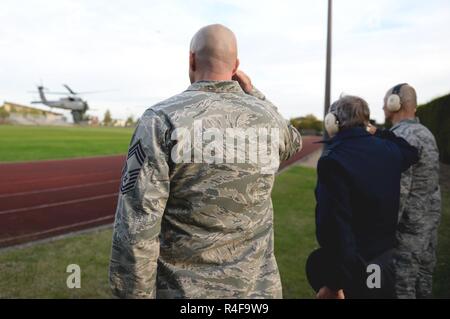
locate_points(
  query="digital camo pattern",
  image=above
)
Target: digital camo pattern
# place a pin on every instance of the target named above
(197, 230)
(419, 216)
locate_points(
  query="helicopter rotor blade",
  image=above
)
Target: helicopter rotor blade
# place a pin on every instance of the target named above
(58, 93)
(69, 89)
(95, 92)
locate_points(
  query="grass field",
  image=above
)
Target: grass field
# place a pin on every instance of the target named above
(39, 271)
(442, 279)
(29, 143)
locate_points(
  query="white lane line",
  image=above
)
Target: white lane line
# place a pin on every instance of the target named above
(26, 209)
(59, 188)
(57, 229)
(69, 159)
(57, 178)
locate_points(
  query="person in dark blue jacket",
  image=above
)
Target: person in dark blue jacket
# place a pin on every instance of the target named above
(357, 194)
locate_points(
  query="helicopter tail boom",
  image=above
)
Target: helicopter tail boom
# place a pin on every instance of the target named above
(42, 95)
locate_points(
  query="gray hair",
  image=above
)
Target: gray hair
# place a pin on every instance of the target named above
(351, 111)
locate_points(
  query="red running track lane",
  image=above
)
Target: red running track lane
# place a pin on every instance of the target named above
(310, 145)
(49, 198)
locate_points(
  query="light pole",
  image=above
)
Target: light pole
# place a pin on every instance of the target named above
(328, 64)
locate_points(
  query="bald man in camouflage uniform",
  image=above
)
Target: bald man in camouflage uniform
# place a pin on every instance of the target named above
(420, 202)
(199, 230)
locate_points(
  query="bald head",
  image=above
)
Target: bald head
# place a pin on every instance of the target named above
(213, 51)
(408, 100)
(408, 97)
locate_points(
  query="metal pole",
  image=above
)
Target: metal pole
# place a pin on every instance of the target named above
(328, 63)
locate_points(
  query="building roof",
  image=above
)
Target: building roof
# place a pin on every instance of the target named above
(29, 108)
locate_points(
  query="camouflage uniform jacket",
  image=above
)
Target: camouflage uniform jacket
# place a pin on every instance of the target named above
(420, 196)
(419, 214)
(196, 229)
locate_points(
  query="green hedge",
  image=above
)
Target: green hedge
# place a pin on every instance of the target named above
(435, 115)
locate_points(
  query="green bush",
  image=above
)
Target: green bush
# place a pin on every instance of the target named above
(307, 125)
(435, 115)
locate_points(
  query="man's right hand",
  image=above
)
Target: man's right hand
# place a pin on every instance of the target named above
(327, 293)
(244, 81)
(372, 129)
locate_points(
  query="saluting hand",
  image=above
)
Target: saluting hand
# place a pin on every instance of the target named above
(244, 81)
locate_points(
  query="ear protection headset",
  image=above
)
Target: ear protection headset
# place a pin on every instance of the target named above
(331, 123)
(394, 103)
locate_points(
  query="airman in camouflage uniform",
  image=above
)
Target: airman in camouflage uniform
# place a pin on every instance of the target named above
(420, 203)
(198, 230)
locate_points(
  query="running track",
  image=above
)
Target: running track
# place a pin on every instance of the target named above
(48, 198)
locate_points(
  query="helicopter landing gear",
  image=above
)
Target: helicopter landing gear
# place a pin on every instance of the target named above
(77, 117)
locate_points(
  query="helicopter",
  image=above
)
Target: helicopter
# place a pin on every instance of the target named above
(72, 102)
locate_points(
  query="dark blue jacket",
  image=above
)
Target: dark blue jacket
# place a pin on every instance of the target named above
(357, 195)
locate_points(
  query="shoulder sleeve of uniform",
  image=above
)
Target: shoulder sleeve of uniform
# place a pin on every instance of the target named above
(425, 138)
(410, 134)
(158, 124)
(142, 200)
(258, 94)
(292, 142)
(290, 139)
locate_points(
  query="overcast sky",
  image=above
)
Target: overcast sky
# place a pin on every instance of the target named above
(139, 48)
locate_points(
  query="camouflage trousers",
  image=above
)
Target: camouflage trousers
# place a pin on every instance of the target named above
(414, 270)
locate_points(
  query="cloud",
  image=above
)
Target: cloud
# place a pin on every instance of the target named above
(140, 48)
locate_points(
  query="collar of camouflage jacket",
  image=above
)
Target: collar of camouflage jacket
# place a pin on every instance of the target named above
(216, 86)
(406, 121)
